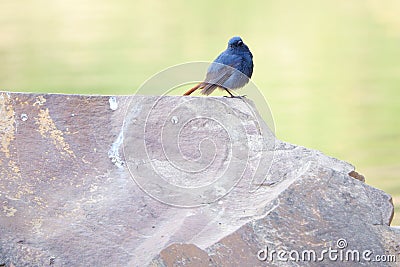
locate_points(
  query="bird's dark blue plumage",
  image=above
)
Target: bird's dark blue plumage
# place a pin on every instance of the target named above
(232, 69)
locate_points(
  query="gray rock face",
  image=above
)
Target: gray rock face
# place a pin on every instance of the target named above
(175, 181)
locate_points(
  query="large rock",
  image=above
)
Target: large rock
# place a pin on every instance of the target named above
(174, 181)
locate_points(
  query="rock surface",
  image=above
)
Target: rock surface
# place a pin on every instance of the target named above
(173, 181)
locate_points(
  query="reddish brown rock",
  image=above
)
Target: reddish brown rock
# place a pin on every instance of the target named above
(170, 181)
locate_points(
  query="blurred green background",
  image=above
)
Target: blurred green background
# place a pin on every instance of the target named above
(330, 70)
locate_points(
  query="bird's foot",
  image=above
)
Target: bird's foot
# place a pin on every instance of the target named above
(236, 96)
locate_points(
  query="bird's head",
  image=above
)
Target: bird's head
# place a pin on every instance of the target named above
(236, 43)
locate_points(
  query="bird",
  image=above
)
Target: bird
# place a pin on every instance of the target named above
(232, 69)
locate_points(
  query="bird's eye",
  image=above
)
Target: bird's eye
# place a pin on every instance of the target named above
(239, 43)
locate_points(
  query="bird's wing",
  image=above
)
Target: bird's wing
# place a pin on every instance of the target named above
(217, 80)
(227, 59)
(225, 64)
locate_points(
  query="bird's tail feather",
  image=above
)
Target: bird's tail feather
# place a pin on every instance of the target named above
(193, 89)
(209, 88)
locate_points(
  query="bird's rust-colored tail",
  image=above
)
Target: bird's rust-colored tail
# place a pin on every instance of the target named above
(193, 89)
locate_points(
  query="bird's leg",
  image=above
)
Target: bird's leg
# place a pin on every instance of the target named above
(232, 96)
